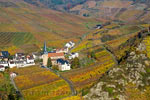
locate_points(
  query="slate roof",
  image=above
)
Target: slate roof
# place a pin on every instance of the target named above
(5, 54)
(61, 61)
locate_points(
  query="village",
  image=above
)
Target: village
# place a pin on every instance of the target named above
(60, 59)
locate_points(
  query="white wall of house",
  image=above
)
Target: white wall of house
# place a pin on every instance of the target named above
(30, 60)
(58, 57)
(4, 64)
(12, 65)
(64, 67)
(72, 56)
(2, 69)
(70, 44)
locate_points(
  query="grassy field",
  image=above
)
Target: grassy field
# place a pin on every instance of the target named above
(40, 84)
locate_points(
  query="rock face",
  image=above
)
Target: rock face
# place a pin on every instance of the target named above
(112, 86)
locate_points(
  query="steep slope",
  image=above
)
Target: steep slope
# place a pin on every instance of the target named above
(127, 81)
(61, 5)
(38, 24)
(122, 10)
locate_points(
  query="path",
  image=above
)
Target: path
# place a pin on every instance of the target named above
(68, 81)
(17, 90)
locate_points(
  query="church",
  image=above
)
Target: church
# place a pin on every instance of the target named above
(55, 56)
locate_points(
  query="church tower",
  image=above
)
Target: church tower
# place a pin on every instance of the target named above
(45, 55)
(45, 48)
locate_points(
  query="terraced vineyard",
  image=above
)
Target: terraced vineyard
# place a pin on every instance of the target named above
(73, 98)
(146, 41)
(109, 34)
(40, 84)
(86, 77)
(15, 38)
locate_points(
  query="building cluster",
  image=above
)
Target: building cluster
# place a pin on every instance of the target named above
(58, 58)
(18, 60)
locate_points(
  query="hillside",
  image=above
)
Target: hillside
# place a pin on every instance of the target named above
(132, 11)
(127, 81)
(120, 10)
(22, 21)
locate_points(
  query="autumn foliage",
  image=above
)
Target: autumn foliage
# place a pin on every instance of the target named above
(40, 84)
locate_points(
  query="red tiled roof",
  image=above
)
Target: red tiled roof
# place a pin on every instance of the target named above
(55, 54)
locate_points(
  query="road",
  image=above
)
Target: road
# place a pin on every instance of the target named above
(68, 81)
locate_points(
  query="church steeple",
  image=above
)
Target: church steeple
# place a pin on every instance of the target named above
(45, 48)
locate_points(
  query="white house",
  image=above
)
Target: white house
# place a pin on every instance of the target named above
(36, 55)
(4, 63)
(13, 75)
(63, 65)
(11, 64)
(30, 59)
(19, 57)
(70, 44)
(2, 68)
(73, 55)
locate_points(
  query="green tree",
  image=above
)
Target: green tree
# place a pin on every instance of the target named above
(49, 63)
(75, 63)
(93, 55)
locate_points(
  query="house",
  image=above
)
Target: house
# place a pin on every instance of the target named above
(2, 68)
(11, 64)
(73, 55)
(19, 56)
(56, 56)
(1, 58)
(99, 26)
(30, 59)
(70, 44)
(63, 65)
(5, 54)
(36, 55)
(4, 63)
(63, 50)
(13, 74)
(20, 64)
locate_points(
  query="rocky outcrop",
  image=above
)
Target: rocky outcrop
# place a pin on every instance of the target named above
(113, 85)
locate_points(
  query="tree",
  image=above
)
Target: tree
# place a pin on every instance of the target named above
(75, 63)
(49, 63)
(93, 55)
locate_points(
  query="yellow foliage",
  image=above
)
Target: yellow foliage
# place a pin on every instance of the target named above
(40, 84)
(12, 50)
(73, 98)
(146, 41)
